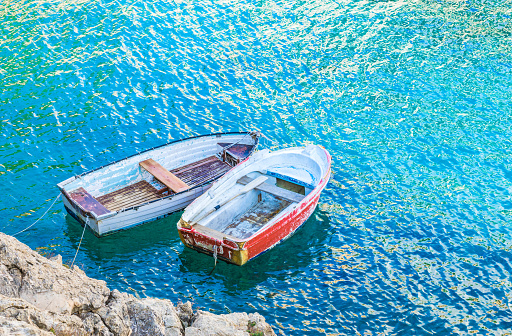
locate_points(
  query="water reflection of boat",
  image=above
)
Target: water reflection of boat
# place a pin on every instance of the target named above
(153, 183)
(257, 204)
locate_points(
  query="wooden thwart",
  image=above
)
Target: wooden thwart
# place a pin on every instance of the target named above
(274, 190)
(88, 202)
(164, 176)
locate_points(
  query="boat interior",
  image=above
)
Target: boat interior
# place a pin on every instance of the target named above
(156, 182)
(260, 197)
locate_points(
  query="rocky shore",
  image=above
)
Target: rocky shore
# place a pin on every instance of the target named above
(40, 296)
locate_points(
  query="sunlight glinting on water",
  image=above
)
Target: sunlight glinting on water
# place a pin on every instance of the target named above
(411, 98)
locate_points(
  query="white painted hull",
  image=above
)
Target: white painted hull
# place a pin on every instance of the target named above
(136, 216)
(126, 171)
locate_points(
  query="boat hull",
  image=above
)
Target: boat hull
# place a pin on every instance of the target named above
(92, 186)
(135, 216)
(239, 253)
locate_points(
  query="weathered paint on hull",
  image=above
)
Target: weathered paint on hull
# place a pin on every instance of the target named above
(137, 216)
(125, 172)
(261, 242)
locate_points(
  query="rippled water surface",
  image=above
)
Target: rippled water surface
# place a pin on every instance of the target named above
(412, 235)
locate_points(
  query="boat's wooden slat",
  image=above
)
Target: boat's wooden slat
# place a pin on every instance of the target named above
(141, 196)
(164, 176)
(256, 217)
(210, 169)
(141, 185)
(183, 169)
(137, 200)
(131, 202)
(274, 190)
(213, 171)
(203, 179)
(214, 175)
(129, 194)
(209, 177)
(132, 195)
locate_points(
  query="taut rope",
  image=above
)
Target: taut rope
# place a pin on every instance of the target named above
(28, 227)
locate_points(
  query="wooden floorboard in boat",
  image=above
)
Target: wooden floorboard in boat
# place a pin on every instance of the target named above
(214, 171)
(256, 217)
(141, 192)
(132, 195)
(201, 171)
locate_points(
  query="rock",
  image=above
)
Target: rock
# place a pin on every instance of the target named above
(185, 313)
(235, 324)
(44, 283)
(25, 314)
(40, 296)
(57, 259)
(93, 324)
(115, 313)
(154, 317)
(10, 327)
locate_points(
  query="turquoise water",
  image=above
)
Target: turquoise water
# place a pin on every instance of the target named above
(412, 236)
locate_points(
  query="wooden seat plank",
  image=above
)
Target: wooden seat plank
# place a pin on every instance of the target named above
(274, 190)
(164, 176)
(88, 202)
(238, 150)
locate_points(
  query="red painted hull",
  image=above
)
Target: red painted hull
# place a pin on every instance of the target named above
(262, 241)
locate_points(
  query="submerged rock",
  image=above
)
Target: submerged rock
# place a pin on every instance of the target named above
(40, 296)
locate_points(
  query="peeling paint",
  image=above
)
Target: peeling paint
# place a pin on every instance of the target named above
(201, 225)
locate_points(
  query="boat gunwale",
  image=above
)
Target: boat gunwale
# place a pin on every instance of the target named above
(159, 146)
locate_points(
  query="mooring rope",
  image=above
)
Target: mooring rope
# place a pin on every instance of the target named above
(28, 227)
(214, 257)
(80, 243)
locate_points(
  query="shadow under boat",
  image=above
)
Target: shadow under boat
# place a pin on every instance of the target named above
(161, 232)
(287, 259)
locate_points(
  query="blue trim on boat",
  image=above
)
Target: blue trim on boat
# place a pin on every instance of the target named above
(290, 179)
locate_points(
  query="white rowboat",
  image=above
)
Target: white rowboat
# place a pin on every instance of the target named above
(154, 183)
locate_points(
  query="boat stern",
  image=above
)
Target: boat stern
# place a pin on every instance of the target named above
(213, 243)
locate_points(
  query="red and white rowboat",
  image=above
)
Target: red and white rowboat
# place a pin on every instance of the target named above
(257, 204)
